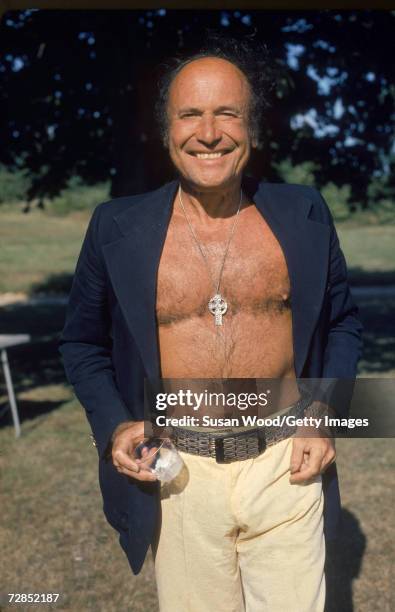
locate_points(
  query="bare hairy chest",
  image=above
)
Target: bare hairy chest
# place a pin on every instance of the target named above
(254, 279)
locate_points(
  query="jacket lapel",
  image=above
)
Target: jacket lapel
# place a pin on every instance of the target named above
(305, 243)
(132, 263)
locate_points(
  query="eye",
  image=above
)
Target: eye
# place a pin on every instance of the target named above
(228, 113)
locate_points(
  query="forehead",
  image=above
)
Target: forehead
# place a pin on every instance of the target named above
(207, 81)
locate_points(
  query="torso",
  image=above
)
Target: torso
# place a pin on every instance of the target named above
(255, 340)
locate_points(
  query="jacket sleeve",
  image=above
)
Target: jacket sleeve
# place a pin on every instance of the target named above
(85, 343)
(344, 338)
(344, 344)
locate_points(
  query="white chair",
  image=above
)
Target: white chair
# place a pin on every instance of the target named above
(7, 341)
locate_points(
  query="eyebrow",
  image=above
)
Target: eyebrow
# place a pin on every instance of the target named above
(219, 109)
(234, 109)
(189, 109)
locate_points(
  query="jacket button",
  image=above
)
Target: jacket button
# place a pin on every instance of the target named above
(93, 440)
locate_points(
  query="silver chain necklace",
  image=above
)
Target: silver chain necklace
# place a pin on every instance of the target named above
(217, 305)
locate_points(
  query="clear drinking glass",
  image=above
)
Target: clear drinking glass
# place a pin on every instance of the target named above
(160, 456)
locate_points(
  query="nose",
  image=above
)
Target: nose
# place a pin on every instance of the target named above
(208, 133)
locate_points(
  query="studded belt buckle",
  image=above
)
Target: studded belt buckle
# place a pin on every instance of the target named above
(227, 448)
(219, 450)
(262, 444)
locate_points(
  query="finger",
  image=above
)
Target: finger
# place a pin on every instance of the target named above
(329, 458)
(122, 459)
(142, 475)
(147, 452)
(303, 476)
(310, 469)
(296, 455)
(148, 457)
(315, 460)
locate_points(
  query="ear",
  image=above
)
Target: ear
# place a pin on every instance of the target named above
(254, 142)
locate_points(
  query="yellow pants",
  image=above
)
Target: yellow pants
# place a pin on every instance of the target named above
(239, 537)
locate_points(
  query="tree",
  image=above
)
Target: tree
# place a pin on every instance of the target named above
(81, 84)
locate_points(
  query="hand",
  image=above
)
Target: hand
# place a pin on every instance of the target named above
(311, 455)
(125, 439)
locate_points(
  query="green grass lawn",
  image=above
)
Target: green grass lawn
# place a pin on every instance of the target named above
(36, 246)
(370, 252)
(39, 250)
(53, 534)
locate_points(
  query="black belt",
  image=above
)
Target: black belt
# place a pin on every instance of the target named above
(228, 447)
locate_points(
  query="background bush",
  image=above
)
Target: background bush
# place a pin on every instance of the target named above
(78, 196)
(13, 185)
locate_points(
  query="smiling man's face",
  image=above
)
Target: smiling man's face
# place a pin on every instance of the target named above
(208, 135)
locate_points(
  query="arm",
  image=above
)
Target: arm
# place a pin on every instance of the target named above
(344, 344)
(344, 339)
(341, 354)
(85, 343)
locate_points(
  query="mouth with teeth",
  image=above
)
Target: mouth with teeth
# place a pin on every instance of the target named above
(215, 155)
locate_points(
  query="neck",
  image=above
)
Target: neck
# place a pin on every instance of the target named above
(213, 204)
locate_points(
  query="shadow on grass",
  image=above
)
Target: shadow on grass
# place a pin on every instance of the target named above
(379, 334)
(360, 277)
(36, 364)
(41, 321)
(54, 284)
(27, 411)
(343, 564)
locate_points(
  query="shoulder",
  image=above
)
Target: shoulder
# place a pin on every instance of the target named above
(292, 189)
(104, 214)
(116, 206)
(298, 195)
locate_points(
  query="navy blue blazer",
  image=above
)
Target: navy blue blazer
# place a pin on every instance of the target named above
(109, 343)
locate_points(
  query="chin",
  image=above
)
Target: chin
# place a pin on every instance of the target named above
(210, 182)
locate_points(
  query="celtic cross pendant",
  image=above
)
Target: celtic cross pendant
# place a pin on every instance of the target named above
(218, 307)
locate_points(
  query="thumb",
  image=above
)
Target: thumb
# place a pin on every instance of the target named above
(296, 456)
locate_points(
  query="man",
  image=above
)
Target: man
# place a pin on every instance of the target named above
(213, 277)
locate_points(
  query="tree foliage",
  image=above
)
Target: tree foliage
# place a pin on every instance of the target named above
(78, 88)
